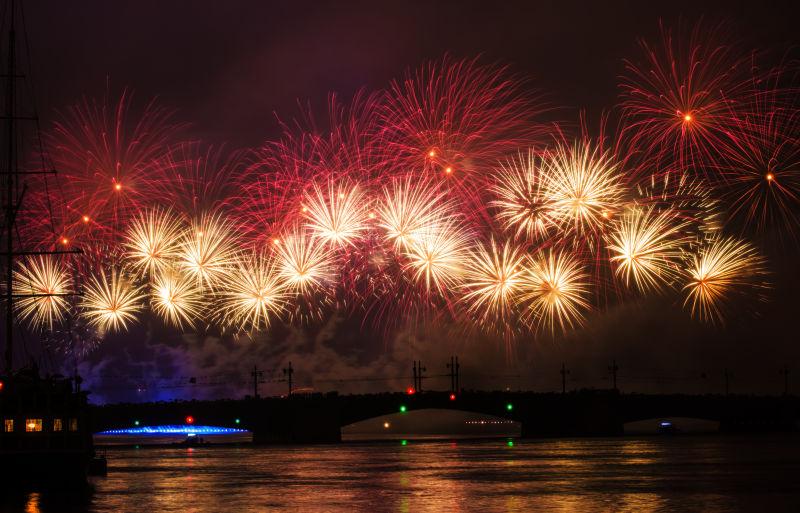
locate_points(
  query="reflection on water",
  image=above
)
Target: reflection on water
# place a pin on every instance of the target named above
(711, 474)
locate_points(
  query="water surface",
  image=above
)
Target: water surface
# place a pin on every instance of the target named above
(682, 473)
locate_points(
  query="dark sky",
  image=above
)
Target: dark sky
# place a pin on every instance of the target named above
(228, 66)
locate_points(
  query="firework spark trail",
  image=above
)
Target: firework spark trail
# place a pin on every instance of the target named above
(177, 298)
(723, 267)
(337, 215)
(522, 205)
(408, 209)
(437, 253)
(646, 247)
(207, 249)
(47, 284)
(152, 241)
(110, 304)
(254, 293)
(554, 291)
(493, 278)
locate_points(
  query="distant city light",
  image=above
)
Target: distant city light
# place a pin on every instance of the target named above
(135, 422)
(386, 425)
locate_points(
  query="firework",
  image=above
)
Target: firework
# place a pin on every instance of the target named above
(522, 205)
(337, 216)
(761, 169)
(152, 241)
(254, 293)
(724, 268)
(437, 254)
(675, 101)
(207, 249)
(111, 304)
(582, 185)
(106, 155)
(41, 286)
(176, 298)
(554, 291)
(646, 245)
(304, 262)
(492, 280)
(407, 209)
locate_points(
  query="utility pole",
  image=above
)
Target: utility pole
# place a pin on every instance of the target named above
(257, 375)
(414, 386)
(613, 370)
(785, 373)
(419, 372)
(454, 367)
(288, 373)
(564, 372)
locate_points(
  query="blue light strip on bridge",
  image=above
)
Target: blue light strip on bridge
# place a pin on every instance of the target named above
(185, 429)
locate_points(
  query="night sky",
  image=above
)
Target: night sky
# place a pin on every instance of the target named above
(230, 68)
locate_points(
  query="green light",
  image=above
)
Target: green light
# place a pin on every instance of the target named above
(135, 422)
(238, 421)
(511, 443)
(509, 407)
(403, 442)
(403, 408)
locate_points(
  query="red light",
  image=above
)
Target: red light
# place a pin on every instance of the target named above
(452, 397)
(1, 386)
(410, 391)
(190, 419)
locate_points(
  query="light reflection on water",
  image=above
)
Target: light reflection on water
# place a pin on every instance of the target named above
(711, 474)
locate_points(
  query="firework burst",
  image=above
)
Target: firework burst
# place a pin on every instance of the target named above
(338, 215)
(407, 209)
(41, 286)
(554, 291)
(437, 255)
(207, 249)
(722, 269)
(304, 262)
(583, 186)
(254, 293)
(177, 299)
(152, 241)
(522, 205)
(111, 304)
(646, 246)
(493, 278)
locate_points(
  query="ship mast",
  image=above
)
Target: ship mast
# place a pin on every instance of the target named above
(11, 185)
(13, 199)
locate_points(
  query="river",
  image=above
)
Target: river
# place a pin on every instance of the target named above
(681, 473)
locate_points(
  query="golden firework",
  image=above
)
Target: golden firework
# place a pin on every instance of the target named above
(554, 291)
(493, 277)
(253, 293)
(110, 304)
(152, 241)
(721, 269)
(41, 285)
(645, 245)
(521, 203)
(337, 215)
(176, 298)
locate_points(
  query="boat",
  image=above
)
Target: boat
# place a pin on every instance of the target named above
(45, 436)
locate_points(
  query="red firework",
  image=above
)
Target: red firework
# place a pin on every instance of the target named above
(675, 100)
(762, 161)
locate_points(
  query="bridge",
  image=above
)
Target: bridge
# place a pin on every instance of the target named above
(318, 418)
